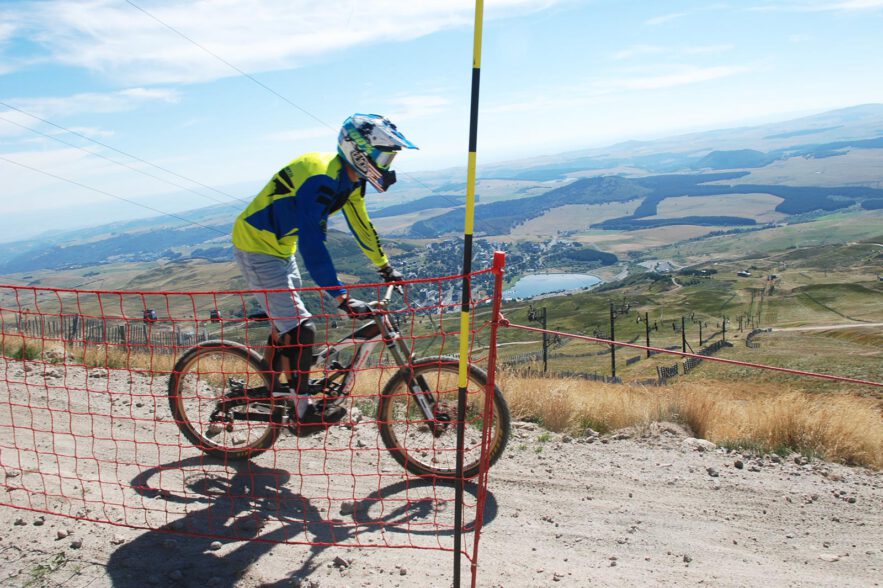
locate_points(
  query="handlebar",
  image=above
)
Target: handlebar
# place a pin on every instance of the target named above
(383, 303)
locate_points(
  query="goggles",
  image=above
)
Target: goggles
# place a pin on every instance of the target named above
(384, 158)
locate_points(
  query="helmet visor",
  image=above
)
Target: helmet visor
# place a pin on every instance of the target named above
(384, 159)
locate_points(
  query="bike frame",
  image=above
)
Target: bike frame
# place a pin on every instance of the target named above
(363, 341)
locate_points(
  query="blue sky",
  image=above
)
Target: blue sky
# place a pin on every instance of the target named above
(556, 75)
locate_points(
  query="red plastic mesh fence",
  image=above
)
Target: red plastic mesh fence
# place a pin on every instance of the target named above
(89, 428)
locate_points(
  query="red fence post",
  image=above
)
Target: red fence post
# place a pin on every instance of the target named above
(499, 264)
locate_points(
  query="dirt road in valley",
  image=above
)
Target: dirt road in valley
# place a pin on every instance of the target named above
(635, 508)
(829, 327)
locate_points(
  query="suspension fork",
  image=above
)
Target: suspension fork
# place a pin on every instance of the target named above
(403, 356)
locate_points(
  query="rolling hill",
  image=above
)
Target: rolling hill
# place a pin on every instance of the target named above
(741, 177)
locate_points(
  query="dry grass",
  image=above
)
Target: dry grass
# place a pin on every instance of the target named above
(19, 347)
(15, 346)
(837, 427)
(116, 357)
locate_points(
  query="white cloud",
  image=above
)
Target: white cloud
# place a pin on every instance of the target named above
(70, 163)
(688, 75)
(413, 107)
(707, 49)
(295, 135)
(858, 4)
(14, 123)
(578, 97)
(117, 39)
(638, 51)
(646, 50)
(93, 102)
(665, 18)
(92, 132)
(820, 6)
(7, 30)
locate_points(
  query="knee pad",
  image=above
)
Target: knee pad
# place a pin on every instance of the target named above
(297, 345)
(305, 333)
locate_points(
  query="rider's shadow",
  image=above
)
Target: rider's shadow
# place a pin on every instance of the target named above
(238, 507)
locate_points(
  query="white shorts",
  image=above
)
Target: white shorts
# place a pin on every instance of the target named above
(266, 272)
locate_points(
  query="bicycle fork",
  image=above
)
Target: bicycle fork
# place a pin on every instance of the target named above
(417, 385)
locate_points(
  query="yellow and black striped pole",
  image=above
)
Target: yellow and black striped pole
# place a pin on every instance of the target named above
(466, 297)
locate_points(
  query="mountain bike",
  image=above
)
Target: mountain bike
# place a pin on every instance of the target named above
(227, 400)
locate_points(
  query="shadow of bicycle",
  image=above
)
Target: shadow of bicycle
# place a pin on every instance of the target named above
(232, 516)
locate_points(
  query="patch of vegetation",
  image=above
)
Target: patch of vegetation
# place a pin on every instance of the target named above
(591, 255)
(426, 203)
(756, 447)
(40, 571)
(740, 158)
(126, 247)
(18, 347)
(588, 422)
(499, 217)
(632, 223)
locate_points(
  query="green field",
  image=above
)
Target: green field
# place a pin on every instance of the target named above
(826, 273)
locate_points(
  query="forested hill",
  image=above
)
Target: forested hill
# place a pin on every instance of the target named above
(500, 217)
(125, 247)
(426, 203)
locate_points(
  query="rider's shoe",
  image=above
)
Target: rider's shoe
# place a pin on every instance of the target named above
(316, 418)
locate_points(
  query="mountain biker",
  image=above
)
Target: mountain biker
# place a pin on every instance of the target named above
(292, 212)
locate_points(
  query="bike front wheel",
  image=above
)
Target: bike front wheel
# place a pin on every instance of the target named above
(220, 399)
(428, 447)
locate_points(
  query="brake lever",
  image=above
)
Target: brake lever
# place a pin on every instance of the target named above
(383, 303)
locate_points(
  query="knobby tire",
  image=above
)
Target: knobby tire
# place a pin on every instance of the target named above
(408, 436)
(201, 377)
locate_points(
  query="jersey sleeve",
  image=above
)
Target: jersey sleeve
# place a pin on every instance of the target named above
(311, 229)
(356, 214)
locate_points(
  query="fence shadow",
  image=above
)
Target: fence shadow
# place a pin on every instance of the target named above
(255, 510)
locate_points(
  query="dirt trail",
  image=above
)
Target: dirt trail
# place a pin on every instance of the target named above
(635, 508)
(827, 327)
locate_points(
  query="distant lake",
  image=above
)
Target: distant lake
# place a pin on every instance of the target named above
(537, 284)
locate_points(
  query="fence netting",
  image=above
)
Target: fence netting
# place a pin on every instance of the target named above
(87, 429)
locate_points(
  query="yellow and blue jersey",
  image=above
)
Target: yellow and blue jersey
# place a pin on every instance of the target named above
(292, 212)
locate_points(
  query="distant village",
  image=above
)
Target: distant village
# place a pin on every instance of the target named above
(445, 258)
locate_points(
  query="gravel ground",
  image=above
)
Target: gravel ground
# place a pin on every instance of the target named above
(636, 508)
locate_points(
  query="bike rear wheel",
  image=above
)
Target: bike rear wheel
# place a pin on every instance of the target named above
(410, 437)
(220, 399)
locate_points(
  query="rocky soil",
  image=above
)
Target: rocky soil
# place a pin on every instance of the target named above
(635, 508)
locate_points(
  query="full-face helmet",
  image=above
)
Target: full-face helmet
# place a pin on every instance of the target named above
(369, 143)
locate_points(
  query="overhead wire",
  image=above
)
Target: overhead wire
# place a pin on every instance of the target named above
(114, 149)
(151, 164)
(267, 88)
(126, 165)
(115, 196)
(230, 65)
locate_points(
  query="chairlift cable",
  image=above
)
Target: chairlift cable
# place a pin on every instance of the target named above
(99, 191)
(106, 146)
(268, 88)
(230, 65)
(126, 165)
